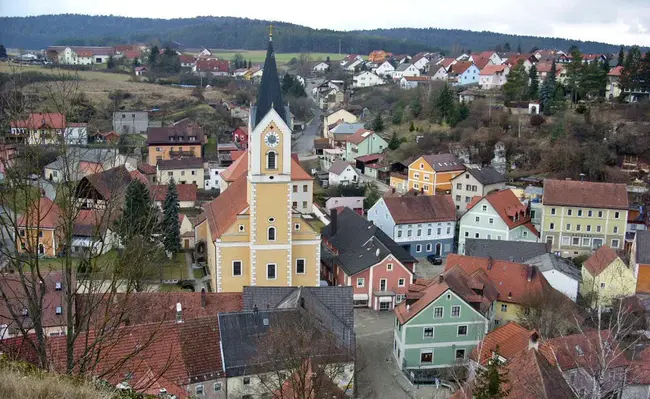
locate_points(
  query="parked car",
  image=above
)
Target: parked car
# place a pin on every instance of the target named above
(435, 259)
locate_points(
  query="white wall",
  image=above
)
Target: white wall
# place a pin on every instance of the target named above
(303, 199)
(563, 283)
(349, 175)
(183, 176)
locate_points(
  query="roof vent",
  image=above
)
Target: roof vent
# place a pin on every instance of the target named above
(377, 253)
(179, 313)
(265, 322)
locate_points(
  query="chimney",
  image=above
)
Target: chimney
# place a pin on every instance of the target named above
(490, 263)
(533, 341)
(333, 221)
(255, 308)
(530, 273)
(393, 190)
(204, 298)
(179, 313)
(408, 307)
(441, 278)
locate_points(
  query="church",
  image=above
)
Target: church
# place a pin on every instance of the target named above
(254, 232)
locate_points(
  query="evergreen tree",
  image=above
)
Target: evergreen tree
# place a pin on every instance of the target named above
(519, 48)
(491, 382)
(547, 93)
(533, 89)
(621, 57)
(506, 47)
(139, 216)
(153, 55)
(575, 71)
(445, 105)
(516, 88)
(411, 127)
(3, 52)
(397, 115)
(378, 123)
(394, 142)
(416, 106)
(136, 62)
(171, 229)
(250, 64)
(463, 111)
(110, 64)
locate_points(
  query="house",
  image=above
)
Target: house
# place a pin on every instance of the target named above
(513, 251)
(183, 139)
(560, 273)
(97, 190)
(79, 162)
(183, 171)
(359, 254)
(240, 137)
(420, 61)
(423, 225)
(447, 62)
(350, 57)
(53, 317)
(186, 195)
(405, 69)
(440, 324)
(322, 316)
(331, 155)
(140, 70)
(212, 67)
(640, 261)
(79, 55)
(330, 119)
(492, 56)
(398, 182)
(614, 87)
(502, 343)
(411, 82)
(364, 142)
(581, 216)
(343, 131)
(187, 60)
(251, 233)
(320, 67)
(606, 277)
(205, 53)
(433, 173)
(352, 66)
(93, 232)
(544, 69)
(39, 228)
(76, 134)
(47, 128)
(527, 60)
(104, 137)
(385, 69)
(8, 155)
(212, 175)
(493, 76)
(366, 79)
(438, 72)
(129, 122)
(463, 73)
(342, 173)
(354, 203)
(475, 181)
(378, 56)
(497, 216)
(519, 285)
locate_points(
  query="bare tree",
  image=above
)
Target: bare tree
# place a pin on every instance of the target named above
(551, 314)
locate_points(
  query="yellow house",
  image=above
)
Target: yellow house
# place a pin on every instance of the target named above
(605, 277)
(335, 116)
(433, 173)
(38, 228)
(252, 232)
(183, 139)
(398, 182)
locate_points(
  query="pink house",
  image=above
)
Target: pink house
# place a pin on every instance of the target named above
(357, 253)
(240, 137)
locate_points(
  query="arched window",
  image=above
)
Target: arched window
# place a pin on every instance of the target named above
(271, 160)
(271, 234)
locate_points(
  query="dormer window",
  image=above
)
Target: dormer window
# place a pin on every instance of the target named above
(57, 286)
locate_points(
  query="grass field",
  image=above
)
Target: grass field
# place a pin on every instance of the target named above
(281, 58)
(85, 75)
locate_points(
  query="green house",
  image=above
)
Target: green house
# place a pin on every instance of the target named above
(440, 324)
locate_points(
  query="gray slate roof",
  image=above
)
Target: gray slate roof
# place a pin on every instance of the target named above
(79, 154)
(361, 244)
(270, 94)
(513, 251)
(404, 66)
(486, 176)
(339, 166)
(347, 128)
(548, 261)
(643, 247)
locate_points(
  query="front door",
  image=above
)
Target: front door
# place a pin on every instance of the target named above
(382, 284)
(384, 305)
(187, 243)
(438, 249)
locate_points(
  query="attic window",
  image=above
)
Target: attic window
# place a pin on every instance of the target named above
(57, 286)
(58, 310)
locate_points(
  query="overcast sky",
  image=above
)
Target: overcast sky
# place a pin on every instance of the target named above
(610, 21)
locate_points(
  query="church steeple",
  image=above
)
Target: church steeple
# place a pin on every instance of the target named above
(270, 94)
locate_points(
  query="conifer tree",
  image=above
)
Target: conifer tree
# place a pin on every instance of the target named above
(397, 115)
(394, 142)
(140, 215)
(533, 88)
(153, 55)
(171, 224)
(621, 57)
(445, 105)
(492, 381)
(378, 123)
(516, 88)
(3, 51)
(547, 93)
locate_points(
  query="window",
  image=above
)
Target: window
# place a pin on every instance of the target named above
(57, 286)
(468, 187)
(575, 241)
(552, 211)
(399, 298)
(504, 307)
(421, 166)
(467, 234)
(590, 213)
(271, 160)
(428, 332)
(217, 387)
(460, 354)
(462, 331)
(399, 234)
(616, 215)
(389, 267)
(579, 212)
(415, 185)
(586, 241)
(614, 243)
(270, 271)
(416, 175)
(295, 188)
(409, 233)
(459, 186)
(360, 282)
(588, 227)
(477, 235)
(170, 174)
(568, 226)
(484, 208)
(418, 248)
(401, 282)
(455, 311)
(193, 172)
(294, 204)
(426, 356)
(477, 219)
(597, 229)
(429, 231)
(199, 390)
(448, 230)
(458, 198)
(566, 240)
(491, 220)
(419, 233)
(236, 268)
(551, 226)
(615, 229)
(304, 204)
(600, 214)
(577, 227)
(40, 234)
(468, 199)
(247, 380)
(426, 177)
(429, 247)
(305, 188)
(271, 233)
(438, 312)
(569, 212)
(58, 310)
(241, 228)
(300, 266)
(22, 233)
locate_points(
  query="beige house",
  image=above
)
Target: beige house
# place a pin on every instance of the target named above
(605, 277)
(333, 117)
(183, 171)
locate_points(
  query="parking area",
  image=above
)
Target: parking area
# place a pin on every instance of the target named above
(424, 268)
(378, 375)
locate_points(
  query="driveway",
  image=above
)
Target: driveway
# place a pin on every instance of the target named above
(378, 375)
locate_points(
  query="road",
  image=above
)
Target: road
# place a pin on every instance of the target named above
(304, 145)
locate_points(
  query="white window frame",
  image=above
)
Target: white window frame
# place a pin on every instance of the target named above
(304, 265)
(361, 282)
(452, 311)
(275, 270)
(429, 247)
(401, 282)
(424, 332)
(202, 388)
(389, 267)
(618, 243)
(275, 233)
(442, 314)
(218, 387)
(241, 268)
(418, 248)
(423, 351)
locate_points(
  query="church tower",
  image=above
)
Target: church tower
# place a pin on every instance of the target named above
(269, 181)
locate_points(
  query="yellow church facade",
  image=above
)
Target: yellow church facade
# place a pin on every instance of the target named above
(253, 231)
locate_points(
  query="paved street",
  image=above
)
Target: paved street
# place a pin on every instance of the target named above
(379, 376)
(304, 145)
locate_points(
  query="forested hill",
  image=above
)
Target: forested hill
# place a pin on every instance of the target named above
(457, 39)
(212, 32)
(242, 33)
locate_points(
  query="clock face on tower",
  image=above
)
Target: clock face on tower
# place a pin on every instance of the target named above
(272, 139)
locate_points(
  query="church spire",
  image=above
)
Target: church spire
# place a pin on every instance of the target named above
(270, 94)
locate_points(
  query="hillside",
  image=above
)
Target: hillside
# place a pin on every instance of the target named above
(212, 32)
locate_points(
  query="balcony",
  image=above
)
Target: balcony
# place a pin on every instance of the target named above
(180, 154)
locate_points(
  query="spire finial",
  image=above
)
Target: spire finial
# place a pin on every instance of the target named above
(271, 32)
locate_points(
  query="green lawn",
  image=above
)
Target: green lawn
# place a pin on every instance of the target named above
(85, 75)
(281, 58)
(17, 198)
(211, 146)
(198, 274)
(316, 224)
(174, 269)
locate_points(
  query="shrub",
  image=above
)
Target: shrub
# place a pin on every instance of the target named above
(537, 120)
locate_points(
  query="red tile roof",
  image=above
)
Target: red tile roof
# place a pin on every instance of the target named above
(508, 206)
(40, 121)
(186, 59)
(492, 69)
(531, 376)
(147, 169)
(600, 260)
(460, 67)
(481, 62)
(42, 214)
(370, 158)
(545, 67)
(506, 341)
(213, 65)
(616, 71)
(359, 136)
(132, 54)
(583, 350)
(222, 212)
(446, 62)
(421, 209)
(186, 192)
(585, 194)
(510, 278)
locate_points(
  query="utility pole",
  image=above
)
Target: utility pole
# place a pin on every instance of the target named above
(339, 46)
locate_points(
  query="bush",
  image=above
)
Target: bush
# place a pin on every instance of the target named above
(537, 120)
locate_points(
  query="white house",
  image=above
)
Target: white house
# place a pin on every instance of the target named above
(354, 203)
(438, 72)
(420, 61)
(76, 134)
(405, 69)
(493, 76)
(331, 155)
(212, 175)
(411, 82)
(350, 57)
(385, 69)
(366, 79)
(497, 216)
(352, 65)
(562, 274)
(320, 67)
(475, 182)
(342, 173)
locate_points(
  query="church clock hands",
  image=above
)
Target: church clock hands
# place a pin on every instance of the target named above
(271, 139)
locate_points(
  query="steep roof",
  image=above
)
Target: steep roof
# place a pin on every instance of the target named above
(600, 260)
(360, 135)
(616, 71)
(403, 67)
(111, 183)
(421, 209)
(181, 163)
(186, 192)
(510, 278)
(549, 261)
(447, 61)
(486, 176)
(146, 169)
(513, 251)
(492, 69)
(39, 121)
(222, 211)
(43, 214)
(212, 65)
(643, 247)
(339, 166)
(583, 350)
(270, 93)
(506, 341)
(531, 376)
(443, 162)
(481, 62)
(460, 67)
(586, 194)
(509, 208)
(184, 131)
